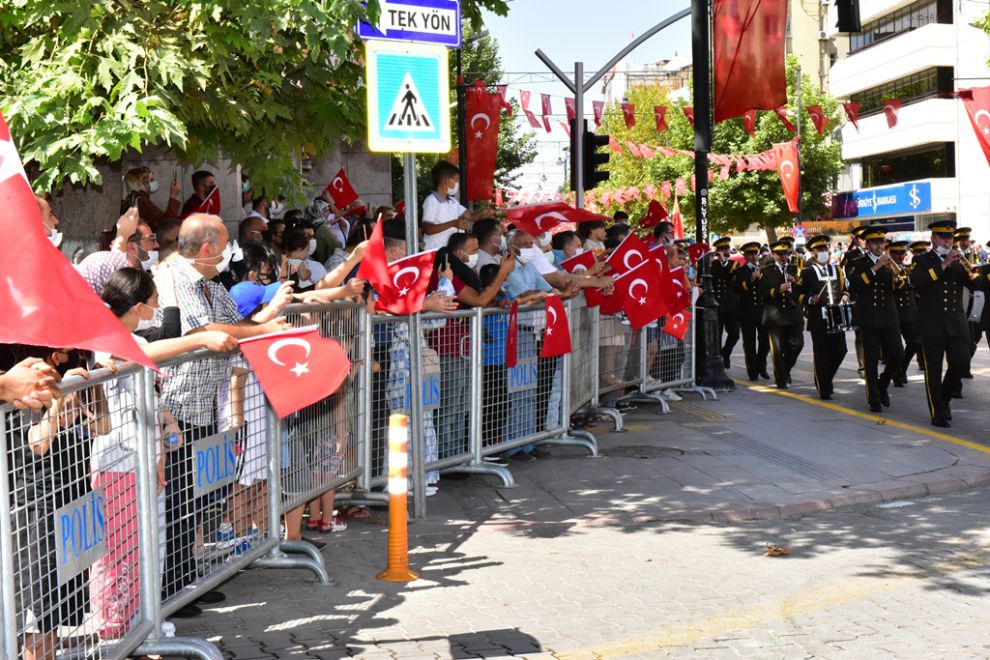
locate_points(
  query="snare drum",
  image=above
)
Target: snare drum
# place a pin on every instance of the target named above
(837, 317)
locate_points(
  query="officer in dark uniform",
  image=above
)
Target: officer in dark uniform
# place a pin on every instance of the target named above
(982, 281)
(940, 276)
(961, 241)
(873, 280)
(823, 284)
(782, 313)
(722, 270)
(918, 248)
(907, 309)
(855, 251)
(756, 345)
(796, 259)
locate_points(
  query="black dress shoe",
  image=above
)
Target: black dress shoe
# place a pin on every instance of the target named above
(967, 375)
(186, 612)
(900, 383)
(781, 386)
(764, 375)
(941, 423)
(825, 397)
(727, 363)
(753, 379)
(211, 598)
(875, 407)
(885, 398)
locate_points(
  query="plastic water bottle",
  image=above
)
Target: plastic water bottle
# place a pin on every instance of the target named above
(446, 287)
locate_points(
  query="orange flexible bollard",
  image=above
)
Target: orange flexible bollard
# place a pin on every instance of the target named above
(398, 524)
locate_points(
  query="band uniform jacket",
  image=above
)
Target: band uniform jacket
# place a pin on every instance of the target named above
(723, 273)
(750, 304)
(907, 299)
(780, 308)
(874, 293)
(813, 279)
(940, 305)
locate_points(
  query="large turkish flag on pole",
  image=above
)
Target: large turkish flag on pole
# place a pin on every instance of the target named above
(296, 368)
(786, 158)
(45, 301)
(748, 44)
(977, 102)
(483, 117)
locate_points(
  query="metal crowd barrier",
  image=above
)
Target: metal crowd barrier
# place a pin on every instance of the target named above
(672, 363)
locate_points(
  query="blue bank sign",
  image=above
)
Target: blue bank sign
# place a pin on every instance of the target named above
(907, 198)
(423, 21)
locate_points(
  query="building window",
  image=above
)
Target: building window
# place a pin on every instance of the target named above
(903, 20)
(929, 161)
(935, 82)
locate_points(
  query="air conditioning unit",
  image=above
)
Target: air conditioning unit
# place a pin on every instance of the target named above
(822, 35)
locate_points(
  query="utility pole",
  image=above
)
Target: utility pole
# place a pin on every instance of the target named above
(797, 120)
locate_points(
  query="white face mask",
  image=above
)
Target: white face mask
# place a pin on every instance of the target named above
(822, 256)
(550, 256)
(294, 262)
(527, 255)
(153, 187)
(312, 246)
(545, 240)
(472, 261)
(55, 237)
(146, 324)
(502, 244)
(151, 261)
(578, 252)
(454, 189)
(942, 251)
(225, 257)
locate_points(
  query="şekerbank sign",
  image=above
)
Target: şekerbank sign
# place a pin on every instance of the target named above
(903, 199)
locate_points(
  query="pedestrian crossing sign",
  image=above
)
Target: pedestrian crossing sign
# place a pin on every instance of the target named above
(408, 97)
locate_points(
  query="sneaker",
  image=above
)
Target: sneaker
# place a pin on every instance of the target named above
(226, 538)
(241, 548)
(168, 629)
(337, 525)
(671, 395)
(651, 383)
(431, 491)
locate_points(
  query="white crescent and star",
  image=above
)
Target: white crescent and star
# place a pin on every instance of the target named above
(787, 168)
(632, 289)
(408, 269)
(625, 259)
(552, 313)
(336, 181)
(301, 367)
(985, 128)
(487, 120)
(552, 214)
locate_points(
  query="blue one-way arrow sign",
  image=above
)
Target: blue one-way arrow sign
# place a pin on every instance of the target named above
(422, 21)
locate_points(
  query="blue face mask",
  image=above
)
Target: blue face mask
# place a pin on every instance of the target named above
(246, 186)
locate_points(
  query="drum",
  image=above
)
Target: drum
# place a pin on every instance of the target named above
(837, 317)
(974, 306)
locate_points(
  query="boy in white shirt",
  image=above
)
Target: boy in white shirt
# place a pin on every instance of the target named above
(443, 215)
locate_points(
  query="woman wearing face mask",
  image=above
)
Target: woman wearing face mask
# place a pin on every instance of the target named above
(139, 185)
(297, 267)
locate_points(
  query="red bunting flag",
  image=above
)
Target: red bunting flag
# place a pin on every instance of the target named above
(483, 111)
(786, 158)
(341, 190)
(677, 325)
(580, 264)
(782, 114)
(660, 116)
(665, 190)
(318, 367)
(680, 186)
(629, 114)
(689, 113)
(546, 124)
(557, 337)
(598, 108)
(676, 218)
(545, 104)
(566, 127)
(694, 183)
(818, 118)
(45, 300)
(614, 145)
(570, 106)
(631, 251)
(977, 102)
(512, 337)
(749, 122)
(852, 112)
(891, 108)
(748, 63)
(503, 92)
(642, 293)
(633, 149)
(524, 97)
(406, 288)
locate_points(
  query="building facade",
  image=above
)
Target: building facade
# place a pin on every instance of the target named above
(929, 165)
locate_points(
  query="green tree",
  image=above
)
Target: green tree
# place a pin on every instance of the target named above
(258, 81)
(745, 198)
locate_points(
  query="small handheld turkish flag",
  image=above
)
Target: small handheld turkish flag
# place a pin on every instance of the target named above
(680, 293)
(557, 340)
(296, 368)
(697, 251)
(818, 117)
(677, 325)
(341, 190)
(537, 218)
(642, 293)
(580, 264)
(211, 204)
(890, 108)
(408, 280)
(512, 337)
(655, 214)
(374, 264)
(630, 253)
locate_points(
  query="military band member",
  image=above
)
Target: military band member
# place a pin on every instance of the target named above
(796, 259)
(756, 344)
(782, 314)
(855, 251)
(917, 248)
(873, 280)
(940, 276)
(907, 309)
(983, 282)
(823, 285)
(723, 269)
(961, 241)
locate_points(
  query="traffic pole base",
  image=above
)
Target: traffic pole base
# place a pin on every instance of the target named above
(398, 574)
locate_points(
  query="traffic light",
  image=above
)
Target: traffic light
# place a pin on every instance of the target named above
(592, 159)
(848, 16)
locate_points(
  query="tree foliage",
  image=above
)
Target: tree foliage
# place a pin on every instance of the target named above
(745, 198)
(258, 81)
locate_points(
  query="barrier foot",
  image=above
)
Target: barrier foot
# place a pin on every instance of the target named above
(500, 471)
(704, 392)
(577, 439)
(362, 498)
(186, 647)
(648, 397)
(313, 560)
(611, 412)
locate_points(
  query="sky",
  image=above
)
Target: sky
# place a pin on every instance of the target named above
(591, 31)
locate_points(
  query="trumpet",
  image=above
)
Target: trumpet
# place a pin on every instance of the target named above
(885, 261)
(962, 260)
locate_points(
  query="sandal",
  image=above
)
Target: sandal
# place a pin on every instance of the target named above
(354, 512)
(313, 524)
(333, 525)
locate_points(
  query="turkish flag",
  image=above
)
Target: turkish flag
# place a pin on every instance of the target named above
(655, 214)
(645, 151)
(535, 219)
(580, 264)
(977, 102)
(400, 209)
(570, 105)
(503, 91)
(545, 103)
(782, 114)
(677, 294)
(660, 116)
(566, 127)
(374, 263)
(408, 280)
(629, 114)
(614, 145)
(723, 173)
(678, 324)
(46, 302)
(524, 101)
(697, 251)
(341, 190)
(786, 158)
(642, 293)
(689, 113)
(633, 149)
(890, 108)
(665, 190)
(631, 252)
(512, 337)
(749, 122)
(557, 337)
(598, 107)
(296, 368)
(676, 218)
(659, 254)
(680, 186)
(748, 64)
(211, 205)
(818, 117)
(483, 111)
(852, 112)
